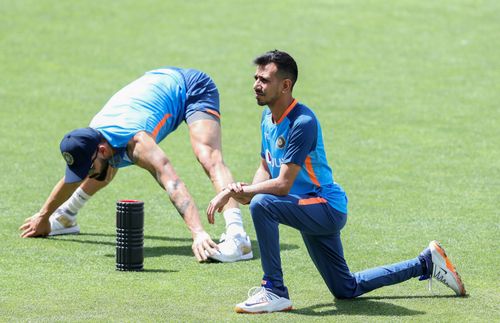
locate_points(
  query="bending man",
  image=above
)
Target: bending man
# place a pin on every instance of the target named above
(127, 131)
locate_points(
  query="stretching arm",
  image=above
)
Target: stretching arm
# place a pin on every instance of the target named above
(38, 225)
(148, 155)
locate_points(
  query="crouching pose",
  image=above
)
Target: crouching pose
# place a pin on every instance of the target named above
(294, 186)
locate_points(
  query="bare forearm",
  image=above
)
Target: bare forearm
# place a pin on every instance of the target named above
(148, 155)
(264, 184)
(60, 193)
(260, 175)
(270, 186)
(184, 203)
(179, 196)
(245, 194)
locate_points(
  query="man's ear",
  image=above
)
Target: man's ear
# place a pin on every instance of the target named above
(102, 149)
(287, 85)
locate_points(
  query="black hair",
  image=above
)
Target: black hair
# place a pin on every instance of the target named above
(287, 67)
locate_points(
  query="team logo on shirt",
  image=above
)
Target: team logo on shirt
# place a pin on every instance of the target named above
(280, 142)
(68, 158)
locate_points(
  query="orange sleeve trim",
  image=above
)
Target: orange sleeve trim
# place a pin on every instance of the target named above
(215, 113)
(312, 200)
(310, 171)
(287, 111)
(160, 124)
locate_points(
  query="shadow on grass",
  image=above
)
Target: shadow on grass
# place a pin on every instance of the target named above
(411, 297)
(186, 250)
(163, 238)
(159, 271)
(158, 251)
(359, 306)
(369, 306)
(133, 272)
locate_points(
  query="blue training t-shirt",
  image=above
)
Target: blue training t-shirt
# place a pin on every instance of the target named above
(297, 138)
(157, 103)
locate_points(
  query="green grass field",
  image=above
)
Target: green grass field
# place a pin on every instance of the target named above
(407, 93)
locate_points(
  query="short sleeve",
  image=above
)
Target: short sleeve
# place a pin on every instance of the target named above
(302, 139)
(262, 153)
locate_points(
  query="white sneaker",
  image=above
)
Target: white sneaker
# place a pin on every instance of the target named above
(263, 300)
(62, 223)
(233, 248)
(443, 269)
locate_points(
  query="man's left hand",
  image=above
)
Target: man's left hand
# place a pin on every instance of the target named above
(35, 226)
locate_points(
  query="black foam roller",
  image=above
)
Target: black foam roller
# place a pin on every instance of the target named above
(129, 235)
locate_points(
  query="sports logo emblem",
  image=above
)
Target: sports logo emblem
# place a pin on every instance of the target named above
(68, 158)
(280, 142)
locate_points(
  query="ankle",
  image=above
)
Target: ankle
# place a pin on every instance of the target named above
(423, 263)
(76, 201)
(277, 288)
(234, 222)
(233, 230)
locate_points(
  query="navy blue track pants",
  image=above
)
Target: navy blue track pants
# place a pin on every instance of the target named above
(320, 226)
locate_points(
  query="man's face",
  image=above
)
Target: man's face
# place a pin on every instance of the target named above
(99, 169)
(268, 86)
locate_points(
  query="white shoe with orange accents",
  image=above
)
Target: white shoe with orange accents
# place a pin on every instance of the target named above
(443, 269)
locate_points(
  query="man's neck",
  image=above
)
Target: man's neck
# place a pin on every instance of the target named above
(279, 107)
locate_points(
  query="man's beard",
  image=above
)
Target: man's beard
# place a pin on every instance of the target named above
(103, 173)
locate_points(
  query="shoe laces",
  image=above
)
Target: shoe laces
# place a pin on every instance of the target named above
(258, 294)
(431, 275)
(236, 239)
(438, 277)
